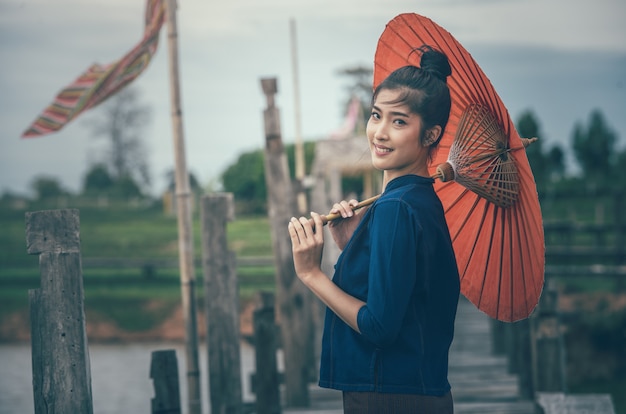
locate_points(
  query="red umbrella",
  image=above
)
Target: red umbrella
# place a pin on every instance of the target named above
(487, 188)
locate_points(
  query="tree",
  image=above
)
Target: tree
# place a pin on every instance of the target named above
(97, 180)
(528, 127)
(46, 188)
(246, 180)
(547, 167)
(122, 121)
(594, 149)
(246, 177)
(194, 184)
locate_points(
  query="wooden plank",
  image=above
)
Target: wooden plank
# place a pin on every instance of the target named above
(560, 403)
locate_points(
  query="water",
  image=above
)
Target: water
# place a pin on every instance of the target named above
(120, 377)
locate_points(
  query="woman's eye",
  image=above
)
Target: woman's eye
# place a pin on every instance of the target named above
(375, 115)
(399, 122)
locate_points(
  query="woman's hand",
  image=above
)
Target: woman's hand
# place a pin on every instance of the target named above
(307, 244)
(342, 228)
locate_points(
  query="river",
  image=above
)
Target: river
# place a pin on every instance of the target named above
(120, 377)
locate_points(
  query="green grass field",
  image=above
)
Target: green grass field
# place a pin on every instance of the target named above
(133, 298)
(146, 234)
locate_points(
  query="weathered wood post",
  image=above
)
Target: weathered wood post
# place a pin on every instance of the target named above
(164, 374)
(499, 336)
(548, 347)
(221, 295)
(266, 380)
(521, 335)
(620, 237)
(292, 298)
(60, 354)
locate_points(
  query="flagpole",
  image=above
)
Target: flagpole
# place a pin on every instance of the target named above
(185, 229)
(299, 149)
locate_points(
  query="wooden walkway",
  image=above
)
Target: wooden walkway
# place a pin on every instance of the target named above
(480, 381)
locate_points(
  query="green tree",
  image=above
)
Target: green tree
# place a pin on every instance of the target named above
(125, 187)
(246, 177)
(246, 180)
(594, 149)
(528, 127)
(547, 167)
(121, 121)
(97, 180)
(194, 184)
(46, 188)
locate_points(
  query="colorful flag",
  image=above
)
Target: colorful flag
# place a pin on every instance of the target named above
(101, 81)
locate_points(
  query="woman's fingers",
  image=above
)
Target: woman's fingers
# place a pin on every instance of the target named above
(344, 208)
(293, 233)
(318, 222)
(302, 230)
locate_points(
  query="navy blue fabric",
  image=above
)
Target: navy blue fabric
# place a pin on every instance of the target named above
(400, 262)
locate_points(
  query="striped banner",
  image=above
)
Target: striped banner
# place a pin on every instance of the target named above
(101, 81)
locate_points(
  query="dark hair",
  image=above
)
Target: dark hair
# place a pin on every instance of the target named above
(424, 89)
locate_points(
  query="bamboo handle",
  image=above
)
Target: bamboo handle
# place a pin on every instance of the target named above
(364, 203)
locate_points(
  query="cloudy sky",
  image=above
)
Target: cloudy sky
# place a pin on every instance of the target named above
(559, 58)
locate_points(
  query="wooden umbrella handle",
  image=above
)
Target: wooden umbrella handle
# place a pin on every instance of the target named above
(361, 204)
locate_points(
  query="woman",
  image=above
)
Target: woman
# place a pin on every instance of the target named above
(392, 300)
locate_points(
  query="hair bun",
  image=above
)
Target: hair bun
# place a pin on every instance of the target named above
(435, 63)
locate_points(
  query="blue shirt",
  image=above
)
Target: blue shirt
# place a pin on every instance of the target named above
(400, 262)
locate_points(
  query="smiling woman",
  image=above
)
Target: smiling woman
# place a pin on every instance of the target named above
(391, 303)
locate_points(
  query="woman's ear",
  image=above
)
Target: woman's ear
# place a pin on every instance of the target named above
(431, 136)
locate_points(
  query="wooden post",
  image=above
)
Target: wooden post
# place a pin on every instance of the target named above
(164, 374)
(60, 354)
(221, 293)
(266, 379)
(620, 237)
(548, 348)
(522, 336)
(185, 229)
(292, 298)
(498, 336)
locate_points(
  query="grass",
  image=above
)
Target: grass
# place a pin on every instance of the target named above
(128, 297)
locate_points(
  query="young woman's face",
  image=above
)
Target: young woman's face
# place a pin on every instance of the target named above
(394, 138)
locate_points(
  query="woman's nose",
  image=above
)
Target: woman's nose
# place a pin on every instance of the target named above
(381, 132)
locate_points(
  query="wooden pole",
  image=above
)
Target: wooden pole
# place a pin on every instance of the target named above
(293, 300)
(164, 374)
(299, 149)
(185, 229)
(548, 347)
(60, 354)
(266, 382)
(221, 297)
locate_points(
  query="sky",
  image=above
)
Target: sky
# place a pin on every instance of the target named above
(561, 59)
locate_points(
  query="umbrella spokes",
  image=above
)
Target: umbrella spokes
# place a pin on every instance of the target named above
(479, 158)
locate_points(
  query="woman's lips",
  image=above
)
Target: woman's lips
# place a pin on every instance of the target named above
(381, 150)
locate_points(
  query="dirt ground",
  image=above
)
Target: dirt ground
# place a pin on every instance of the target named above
(16, 327)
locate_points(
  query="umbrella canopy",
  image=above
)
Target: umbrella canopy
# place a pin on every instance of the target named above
(491, 205)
